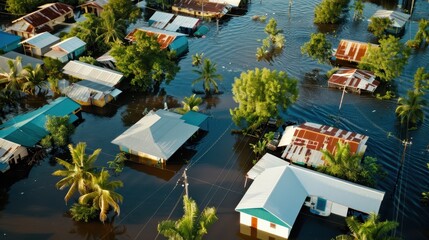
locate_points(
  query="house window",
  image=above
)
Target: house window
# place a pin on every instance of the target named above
(272, 225)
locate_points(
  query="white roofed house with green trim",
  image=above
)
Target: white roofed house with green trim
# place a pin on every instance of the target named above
(279, 191)
(68, 49)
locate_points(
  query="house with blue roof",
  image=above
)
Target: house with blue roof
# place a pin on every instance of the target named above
(29, 128)
(196, 119)
(9, 42)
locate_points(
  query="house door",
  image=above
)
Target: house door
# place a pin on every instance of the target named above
(254, 222)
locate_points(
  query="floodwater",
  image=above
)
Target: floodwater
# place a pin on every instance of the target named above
(31, 207)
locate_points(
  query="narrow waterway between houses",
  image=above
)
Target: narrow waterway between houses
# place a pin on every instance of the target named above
(32, 208)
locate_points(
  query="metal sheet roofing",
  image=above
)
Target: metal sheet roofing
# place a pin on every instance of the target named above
(93, 73)
(25, 60)
(163, 17)
(159, 134)
(99, 3)
(70, 45)
(304, 142)
(354, 78)
(42, 40)
(186, 22)
(213, 7)
(7, 39)
(29, 128)
(106, 57)
(48, 12)
(7, 149)
(85, 90)
(352, 51)
(164, 38)
(281, 189)
(194, 118)
(233, 3)
(398, 18)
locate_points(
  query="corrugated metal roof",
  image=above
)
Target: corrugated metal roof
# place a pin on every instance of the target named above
(233, 3)
(42, 40)
(25, 60)
(186, 22)
(194, 118)
(106, 57)
(194, 5)
(282, 189)
(355, 79)
(99, 3)
(7, 149)
(93, 73)
(163, 17)
(55, 54)
(70, 45)
(398, 18)
(164, 38)
(158, 134)
(305, 141)
(352, 51)
(7, 39)
(48, 12)
(82, 93)
(29, 128)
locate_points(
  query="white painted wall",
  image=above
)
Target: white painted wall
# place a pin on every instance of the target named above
(265, 226)
(339, 209)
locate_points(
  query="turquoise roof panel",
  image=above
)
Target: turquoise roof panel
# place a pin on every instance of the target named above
(194, 118)
(9, 41)
(264, 214)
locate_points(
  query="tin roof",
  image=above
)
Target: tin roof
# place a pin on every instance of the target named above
(25, 60)
(354, 78)
(96, 3)
(279, 190)
(196, 6)
(183, 21)
(398, 18)
(233, 3)
(29, 128)
(93, 73)
(41, 40)
(164, 38)
(84, 90)
(7, 39)
(48, 12)
(160, 19)
(352, 51)
(304, 142)
(70, 45)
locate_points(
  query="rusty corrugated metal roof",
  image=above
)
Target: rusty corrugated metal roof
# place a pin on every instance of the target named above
(351, 51)
(47, 13)
(354, 78)
(164, 38)
(196, 6)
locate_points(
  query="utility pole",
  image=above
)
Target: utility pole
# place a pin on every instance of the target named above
(342, 97)
(185, 182)
(405, 143)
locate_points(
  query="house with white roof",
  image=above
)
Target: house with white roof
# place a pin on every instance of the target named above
(97, 86)
(279, 190)
(303, 143)
(157, 136)
(68, 49)
(355, 80)
(174, 23)
(39, 44)
(398, 19)
(10, 153)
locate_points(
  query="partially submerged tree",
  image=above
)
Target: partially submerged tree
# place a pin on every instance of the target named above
(190, 104)
(273, 45)
(60, 130)
(34, 79)
(329, 11)
(378, 26)
(386, 61)
(261, 94)
(318, 48)
(192, 226)
(358, 10)
(410, 109)
(145, 62)
(372, 228)
(208, 75)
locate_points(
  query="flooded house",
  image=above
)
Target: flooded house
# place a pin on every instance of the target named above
(398, 20)
(39, 44)
(10, 153)
(172, 41)
(201, 8)
(95, 7)
(68, 49)
(158, 135)
(43, 20)
(354, 80)
(303, 143)
(279, 190)
(9, 42)
(174, 23)
(351, 51)
(29, 128)
(98, 84)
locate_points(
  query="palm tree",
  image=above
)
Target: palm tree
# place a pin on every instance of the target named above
(410, 108)
(112, 30)
(208, 75)
(35, 79)
(190, 104)
(192, 226)
(423, 32)
(102, 195)
(14, 77)
(78, 174)
(358, 10)
(371, 229)
(197, 59)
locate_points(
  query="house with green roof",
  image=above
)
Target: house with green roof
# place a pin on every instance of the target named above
(29, 128)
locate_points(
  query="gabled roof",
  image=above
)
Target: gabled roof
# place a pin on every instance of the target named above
(42, 40)
(279, 191)
(70, 45)
(160, 19)
(84, 90)
(398, 18)
(213, 7)
(352, 51)
(106, 57)
(25, 60)
(29, 128)
(164, 38)
(98, 3)
(6, 39)
(7, 148)
(48, 12)
(93, 73)
(159, 134)
(354, 78)
(305, 141)
(182, 21)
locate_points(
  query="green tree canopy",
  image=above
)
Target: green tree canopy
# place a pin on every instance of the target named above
(388, 60)
(60, 130)
(422, 33)
(273, 45)
(192, 226)
(145, 62)
(410, 108)
(318, 48)
(21, 7)
(111, 30)
(208, 75)
(261, 94)
(421, 80)
(358, 10)
(371, 229)
(123, 10)
(34, 79)
(378, 26)
(190, 104)
(329, 11)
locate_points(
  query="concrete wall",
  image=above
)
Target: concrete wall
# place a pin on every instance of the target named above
(265, 226)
